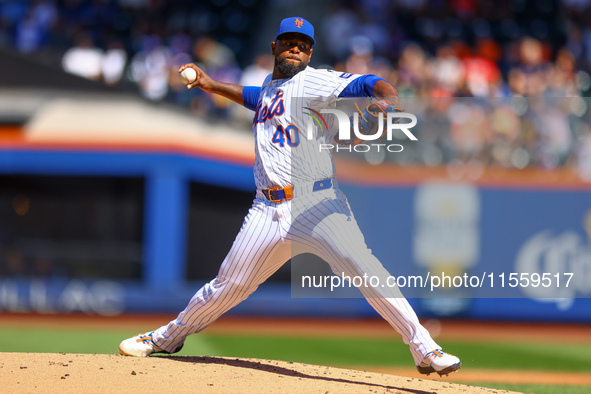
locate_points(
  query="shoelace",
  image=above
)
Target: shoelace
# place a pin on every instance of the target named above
(436, 353)
(432, 355)
(145, 338)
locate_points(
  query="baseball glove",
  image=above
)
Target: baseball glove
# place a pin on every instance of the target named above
(367, 120)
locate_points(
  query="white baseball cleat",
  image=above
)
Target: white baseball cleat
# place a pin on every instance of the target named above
(440, 362)
(140, 345)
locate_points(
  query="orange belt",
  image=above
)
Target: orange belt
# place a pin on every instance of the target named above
(278, 194)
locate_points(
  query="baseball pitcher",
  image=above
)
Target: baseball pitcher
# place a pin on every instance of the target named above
(298, 206)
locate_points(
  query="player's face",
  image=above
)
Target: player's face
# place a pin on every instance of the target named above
(292, 53)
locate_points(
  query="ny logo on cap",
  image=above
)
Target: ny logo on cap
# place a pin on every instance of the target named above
(299, 23)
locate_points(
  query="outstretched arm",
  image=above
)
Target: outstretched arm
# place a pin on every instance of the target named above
(206, 83)
(371, 86)
(384, 89)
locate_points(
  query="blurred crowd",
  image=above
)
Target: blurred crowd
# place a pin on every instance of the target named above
(468, 134)
(502, 83)
(425, 48)
(466, 48)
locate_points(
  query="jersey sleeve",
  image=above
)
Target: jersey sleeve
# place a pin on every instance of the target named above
(361, 86)
(250, 96)
(341, 80)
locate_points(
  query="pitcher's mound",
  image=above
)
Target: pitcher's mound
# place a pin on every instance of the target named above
(108, 373)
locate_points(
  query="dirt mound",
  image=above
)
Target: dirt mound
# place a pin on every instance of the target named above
(102, 373)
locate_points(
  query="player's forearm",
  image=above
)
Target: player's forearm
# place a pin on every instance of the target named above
(384, 89)
(206, 83)
(228, 90)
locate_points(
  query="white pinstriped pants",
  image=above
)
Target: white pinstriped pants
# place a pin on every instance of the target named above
(320, 223)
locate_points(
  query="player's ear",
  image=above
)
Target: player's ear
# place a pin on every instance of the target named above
(311, 50)
(273, 46)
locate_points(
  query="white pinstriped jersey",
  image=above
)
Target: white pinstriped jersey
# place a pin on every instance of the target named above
(321, 223)
(283, 153)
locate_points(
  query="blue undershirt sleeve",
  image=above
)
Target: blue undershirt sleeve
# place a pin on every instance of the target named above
(250, 96)
(361, 87)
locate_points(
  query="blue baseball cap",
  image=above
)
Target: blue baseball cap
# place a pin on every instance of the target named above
(296, 25)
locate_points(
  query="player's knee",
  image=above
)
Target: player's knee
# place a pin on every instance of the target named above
(239, 287)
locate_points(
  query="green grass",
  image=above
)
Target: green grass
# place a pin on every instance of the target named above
(325, 351)
(523, 356)
(536, 388)
(381, 352)
(338, 352)
(29, 340)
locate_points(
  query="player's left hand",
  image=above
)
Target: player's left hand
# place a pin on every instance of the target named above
(368, 118)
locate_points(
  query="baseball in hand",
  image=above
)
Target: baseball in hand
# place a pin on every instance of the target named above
(188, 75)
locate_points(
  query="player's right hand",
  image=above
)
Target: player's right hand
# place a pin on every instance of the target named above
(197, 82)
